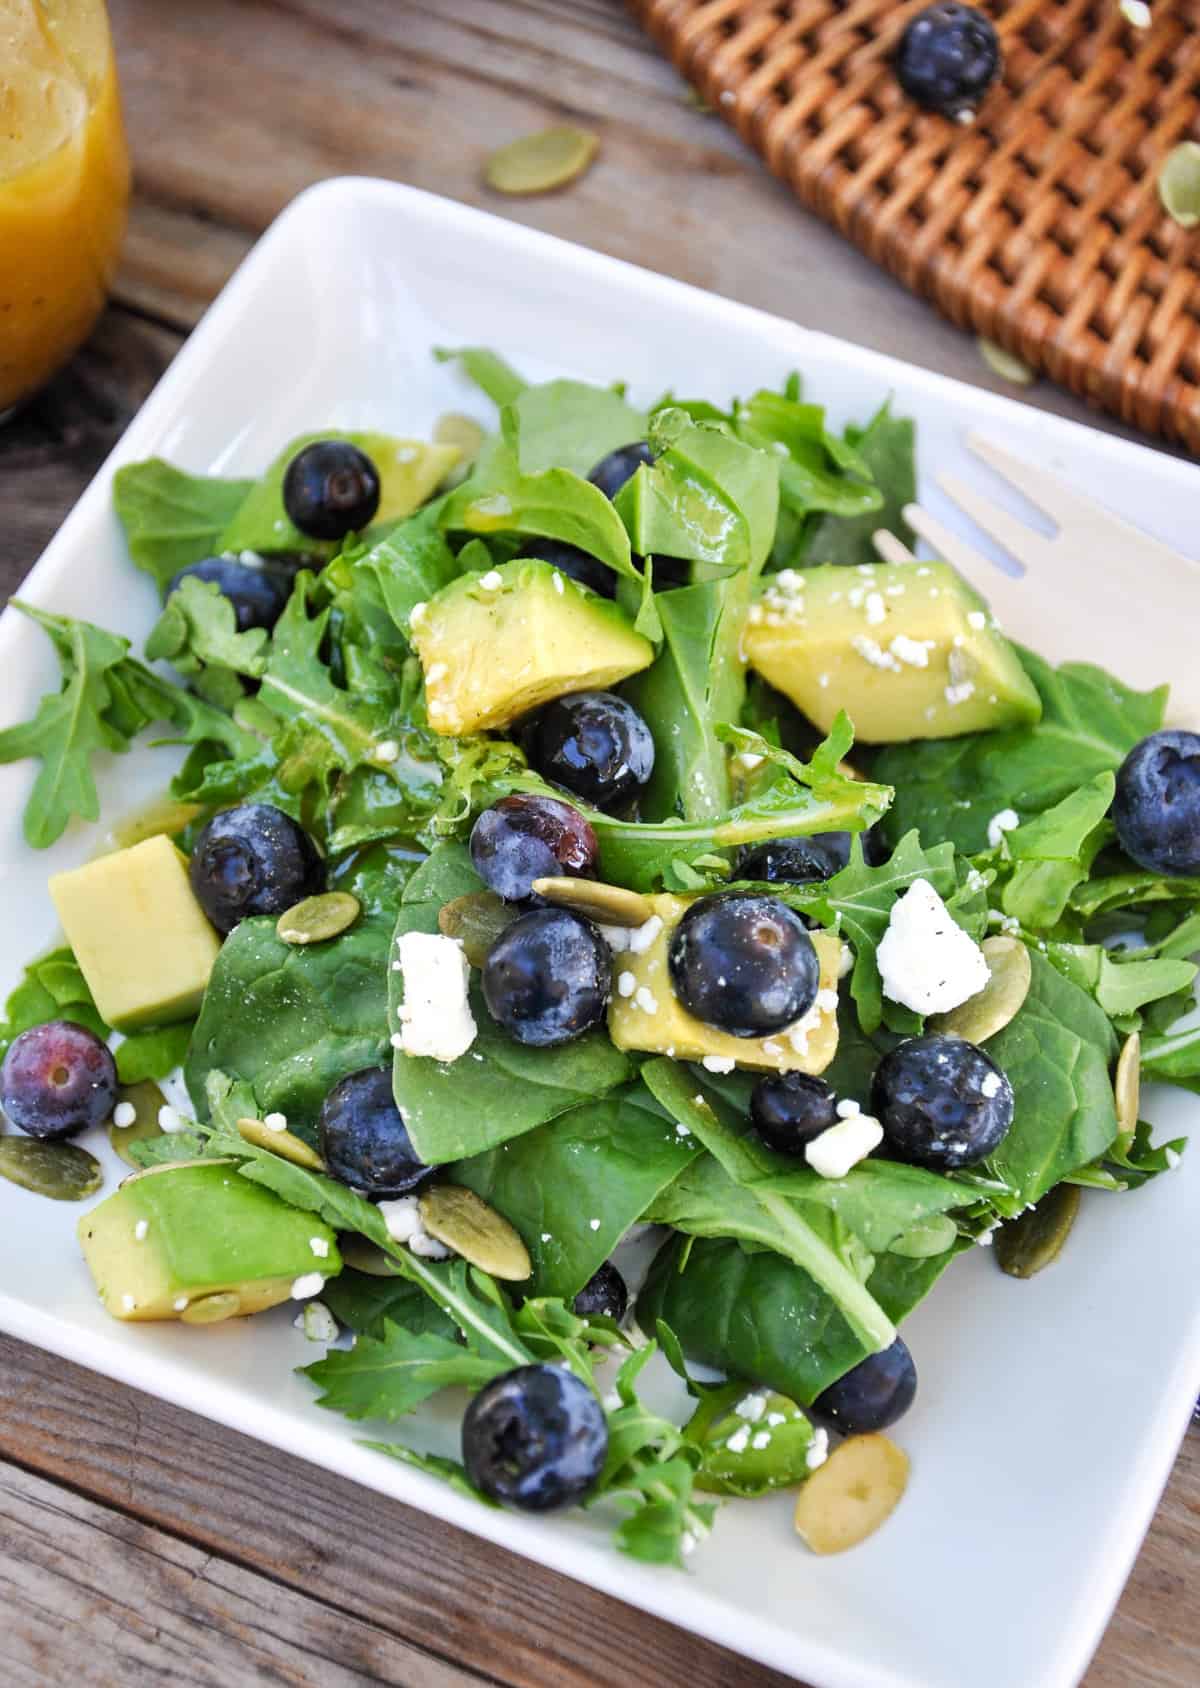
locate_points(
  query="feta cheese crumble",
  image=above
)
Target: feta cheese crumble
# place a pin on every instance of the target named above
(124, 1115)
(876, 608)
(170, 1120)
(1004, 820)
(643, 936)
(841, 1146)
(926, 961)
(645, 999)
(493, 580)
(751, 1407)
(760, 1440)
(435, 1016)
(818, 1449)
(128, 1303)
(317, 1322)
(990, 1086)
(141, 1231)
(402, 1217)
(180, 1304)
(718, 1063)
(737, 1442)
(593, 1224)
(305, 1287)
(626, 983)
(275, 1122)
(320, 1247)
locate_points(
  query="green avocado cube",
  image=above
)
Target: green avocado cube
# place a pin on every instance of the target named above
(908, 650)
(495, 645)
(195, 1240)
(410, 472)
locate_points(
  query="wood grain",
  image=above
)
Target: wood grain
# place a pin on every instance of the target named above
(257, 1567)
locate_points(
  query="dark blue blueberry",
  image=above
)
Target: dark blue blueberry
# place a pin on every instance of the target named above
(1156, 810)
(572, 560)
(253, 859)
(619, 466)
(595, 744)
(875, 1393)
(535, 1438)
(941, 1101)
(789, 861)
(527, 837)
(257, 594)
(789, 1109)
(57, 1079)
(548, 977)
(364, 1139)
(330, 489)
(605, 1295)
(948, 58)
(837, 845)
(744, 963)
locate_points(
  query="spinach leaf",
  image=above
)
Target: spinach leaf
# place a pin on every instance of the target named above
(172, 518)
(574, 1186)
(1056, 1054)
(498, 1089)
(291, 1020)
(817, 470)
(1040, 863)
(367, 1304)
(761, 1317)
(487, 369)
(52, 988)
(408, 566)
(1113, 893)
(1173, 1058)
(152, 1054)
(1121, 987)
(815, 1240)
(571, 425)
(887, 446)
(950, 788)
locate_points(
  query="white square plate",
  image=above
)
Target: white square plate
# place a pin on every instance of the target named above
(1049, 1413)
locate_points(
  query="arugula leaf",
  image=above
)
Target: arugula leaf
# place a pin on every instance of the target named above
(408, 566)
(52, 988)
(386, 1378)
(755, 1213)
(487, 369)
(574, 1186)
(887, 446)
(500, 1088)
(1173, 1058)
(152, 1054)
(1056, 1054)
(197, 634)
(1039, 864)
(433, 1465)
(1112, 893)
(753, 1470)
(817, 470)
(1121, 987)
(172, 518)
(950, 788)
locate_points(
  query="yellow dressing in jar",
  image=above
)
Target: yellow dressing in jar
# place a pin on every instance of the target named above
(64, 184)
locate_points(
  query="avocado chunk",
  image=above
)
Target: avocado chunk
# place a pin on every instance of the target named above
(646, 1014)
(174, 1236)
(498, 644)
(908, 650)
(142, 941)
(410, 472)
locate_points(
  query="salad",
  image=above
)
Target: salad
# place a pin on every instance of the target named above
(586, 846)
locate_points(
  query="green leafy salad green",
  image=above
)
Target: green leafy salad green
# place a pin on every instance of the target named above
(395, 698)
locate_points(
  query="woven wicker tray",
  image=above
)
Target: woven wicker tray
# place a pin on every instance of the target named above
(1039, 225)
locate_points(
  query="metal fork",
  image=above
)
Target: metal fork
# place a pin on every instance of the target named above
(1098, 590)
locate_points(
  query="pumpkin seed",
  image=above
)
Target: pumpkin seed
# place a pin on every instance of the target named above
(476, 920)
(316, 919)
(462, 431)
(365, 1257)
(1024, 1246)
(1179, 184)
(850, 1496)
(1004, 364)
(145, 1099)
(212, 1309)
(285, 1144)
(1010, 974)
(609, 904)
(458, 1218)
(1127, 1087)
(58, 1170)
(536, 163)
(930, 1236)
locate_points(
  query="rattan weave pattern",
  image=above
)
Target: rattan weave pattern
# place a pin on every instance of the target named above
(1039, 225)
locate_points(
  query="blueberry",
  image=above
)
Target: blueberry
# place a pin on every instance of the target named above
(789, 1109)
(527, 837)
(595, 744)
(875, 849)
(330, 489)
(789, 861)
(57, 1079)
(875, 1393)
(535, 1438)
(744, 964)
(948, 58)
(605, 1295)
(572, 560)
(1156, 810)
(257, 594)
(619, 466)
(364, 1139)
(941, 1101)
(548, 977)
(253, 859)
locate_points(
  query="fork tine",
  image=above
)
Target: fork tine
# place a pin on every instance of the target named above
(1048, 494)
(889, 549)
(1008, 598)
(1019, 540)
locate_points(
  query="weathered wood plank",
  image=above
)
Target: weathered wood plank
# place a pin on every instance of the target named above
(391, 1567)
(94, 1597)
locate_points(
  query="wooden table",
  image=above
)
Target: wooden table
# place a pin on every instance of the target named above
(139, 1544)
